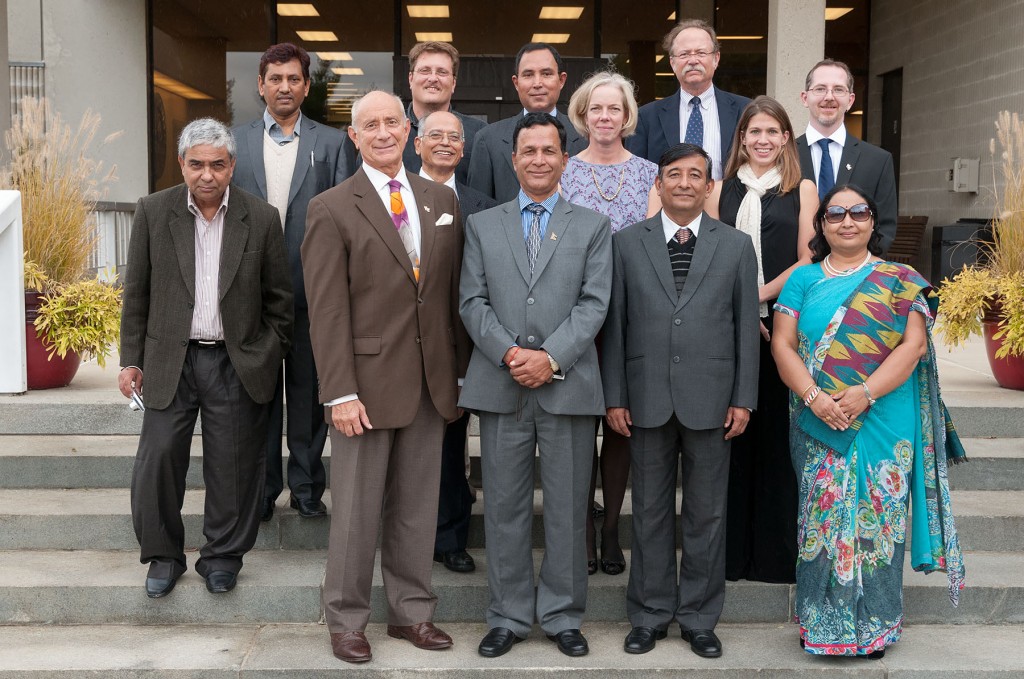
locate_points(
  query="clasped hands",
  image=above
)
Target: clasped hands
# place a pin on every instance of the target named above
(840, 409)
(529, 367)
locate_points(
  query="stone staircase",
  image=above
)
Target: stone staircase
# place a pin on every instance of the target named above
(72, 602)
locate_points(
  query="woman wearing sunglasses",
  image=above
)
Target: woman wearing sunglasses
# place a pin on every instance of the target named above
(870, 437)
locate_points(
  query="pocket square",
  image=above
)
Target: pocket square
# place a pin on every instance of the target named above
(444, 220)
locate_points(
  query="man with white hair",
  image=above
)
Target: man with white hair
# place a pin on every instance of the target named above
(207, 320)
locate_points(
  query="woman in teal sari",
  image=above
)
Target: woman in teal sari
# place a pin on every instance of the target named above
(870, 439)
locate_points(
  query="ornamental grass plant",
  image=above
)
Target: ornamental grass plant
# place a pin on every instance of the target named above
(994, 290)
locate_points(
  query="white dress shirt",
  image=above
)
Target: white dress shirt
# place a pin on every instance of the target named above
(712, 126)
(206, 319)
(836, 142)
(671, 227)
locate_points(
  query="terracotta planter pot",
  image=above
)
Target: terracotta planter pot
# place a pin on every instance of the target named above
(43, 373)
(1008, 371)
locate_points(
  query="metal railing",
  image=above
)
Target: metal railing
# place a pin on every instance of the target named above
(27, 80)
(113, 228)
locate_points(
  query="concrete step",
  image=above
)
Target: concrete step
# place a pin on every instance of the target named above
(104, 587)
(101, 519)
(290, 651)
(98, 461)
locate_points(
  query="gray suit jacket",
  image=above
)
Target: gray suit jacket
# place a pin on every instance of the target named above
(490, 168)
(328, 168)
(867, 167)
(560, 308)
(159, 292)
(693, 355)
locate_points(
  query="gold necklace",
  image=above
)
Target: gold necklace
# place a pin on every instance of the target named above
(622, 180)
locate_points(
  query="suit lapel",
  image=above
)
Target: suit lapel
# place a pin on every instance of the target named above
(307, 142)
(428, 221)
(183, 233)
(506, 140)
(657, 251)
(848, 160)
(669, 117)
(703, 252)
(728, 116)
(561, 217)
(368, 203)
(513, 222)
(255, 140)
(235, 236)
(806, 162)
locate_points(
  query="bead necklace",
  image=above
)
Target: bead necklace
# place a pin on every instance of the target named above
(843, 272)
(622, 180)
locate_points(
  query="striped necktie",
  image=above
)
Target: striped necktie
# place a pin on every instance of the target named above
(533, 237)
(400, 217)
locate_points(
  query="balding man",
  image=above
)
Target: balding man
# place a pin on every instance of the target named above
(381, 259)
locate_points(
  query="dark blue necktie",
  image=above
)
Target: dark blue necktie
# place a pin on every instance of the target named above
(695, 125)
(826, 175)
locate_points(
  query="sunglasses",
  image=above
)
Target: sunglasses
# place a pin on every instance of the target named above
(837, 213)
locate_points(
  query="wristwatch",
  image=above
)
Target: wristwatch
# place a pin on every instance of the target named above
(553, 363)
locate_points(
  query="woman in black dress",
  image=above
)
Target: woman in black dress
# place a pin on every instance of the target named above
(763, 195)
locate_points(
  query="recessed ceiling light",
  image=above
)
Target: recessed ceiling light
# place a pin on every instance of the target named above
(560, 12)
(659, 58)
(295, 9)
(317, 36)
(833, 13)
(553, 38)
(740, 37)
(859, 112)
(439, 36)
(666, 74)
(166, 82)
(334, 56)
(672, 16)
(428, 11)
(350, 70)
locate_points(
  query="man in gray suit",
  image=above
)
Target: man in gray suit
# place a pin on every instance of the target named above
(679, 366)
(286, 159)
(207, 319)
(539, 79)
(536, 277)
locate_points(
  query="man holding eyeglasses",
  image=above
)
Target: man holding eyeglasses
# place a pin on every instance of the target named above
(828, 96)
(699, 113)
(439, 145)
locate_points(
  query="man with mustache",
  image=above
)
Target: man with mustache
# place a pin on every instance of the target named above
(699, 113)
(285, 158)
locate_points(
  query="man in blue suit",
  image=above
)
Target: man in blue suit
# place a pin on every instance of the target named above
(699, 113)
(286, 159)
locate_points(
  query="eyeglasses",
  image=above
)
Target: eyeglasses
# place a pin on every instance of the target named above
(837, 91)
(426, 72)
(834, 214)
(437, 135)
(700, 54)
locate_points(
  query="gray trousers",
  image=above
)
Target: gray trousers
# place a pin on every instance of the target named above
(507, 452)
(234, 429)
(656, 594)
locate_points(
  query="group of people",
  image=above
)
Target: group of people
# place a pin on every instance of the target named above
(552, 273)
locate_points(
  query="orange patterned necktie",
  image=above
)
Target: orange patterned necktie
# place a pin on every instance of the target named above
(401, 220)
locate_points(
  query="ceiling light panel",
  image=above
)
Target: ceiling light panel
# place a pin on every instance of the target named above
(833, 13)
(317, 36)
(553, 38)
(741, 37)
(351, 70)
(428, 11)
(294, 9)
(334, 56)
(166, 82)
(561, 12)
(440, 36)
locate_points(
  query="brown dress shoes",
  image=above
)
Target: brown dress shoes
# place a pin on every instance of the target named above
(423, 635)
(350, 646)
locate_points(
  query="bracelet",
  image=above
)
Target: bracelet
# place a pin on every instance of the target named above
(867, 392)
(809, 387)
(513, 356)
(813, 395)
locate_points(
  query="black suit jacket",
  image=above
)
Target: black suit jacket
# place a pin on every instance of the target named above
(867, 167)
(472, 201)
(657, 127)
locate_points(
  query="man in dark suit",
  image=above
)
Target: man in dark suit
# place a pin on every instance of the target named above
(828, 95)
(699, 113)
(382, 257)
(679, 367)
(535, 284)
(286, 159)
(207, 319)
(539, 79)
(439, 145)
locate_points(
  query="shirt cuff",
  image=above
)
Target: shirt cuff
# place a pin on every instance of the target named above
(343, 399)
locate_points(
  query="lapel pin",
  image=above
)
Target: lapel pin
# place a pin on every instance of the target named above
(426, 208)
(553, 236)
(849, 167)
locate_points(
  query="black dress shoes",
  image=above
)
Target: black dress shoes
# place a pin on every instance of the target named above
(158, 587)
(703, 642)
(218, 582)
(497, 642)
(459, 561)
(308, 509)
(268, 509)
(570, 642)
(642, 639)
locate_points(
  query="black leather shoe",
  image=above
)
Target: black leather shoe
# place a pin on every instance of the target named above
(268, 509)
(158, 587)
(219, 582)
(497, 642)
(459, 561)
(570, 642)
(642, 639)
(703, 642)
(308, 509)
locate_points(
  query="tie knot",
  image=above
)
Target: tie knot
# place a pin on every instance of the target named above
(536, 208)
(395, 186)
(823, 143)
(683, 235)
(695, 102)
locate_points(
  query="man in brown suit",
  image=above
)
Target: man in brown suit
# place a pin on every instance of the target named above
(381, 258)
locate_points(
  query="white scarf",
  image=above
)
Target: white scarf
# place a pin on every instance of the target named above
(748, 218)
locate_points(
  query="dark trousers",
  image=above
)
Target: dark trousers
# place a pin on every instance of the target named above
(233, 429)
(656, 594)
(307, 428)
(455, 503)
